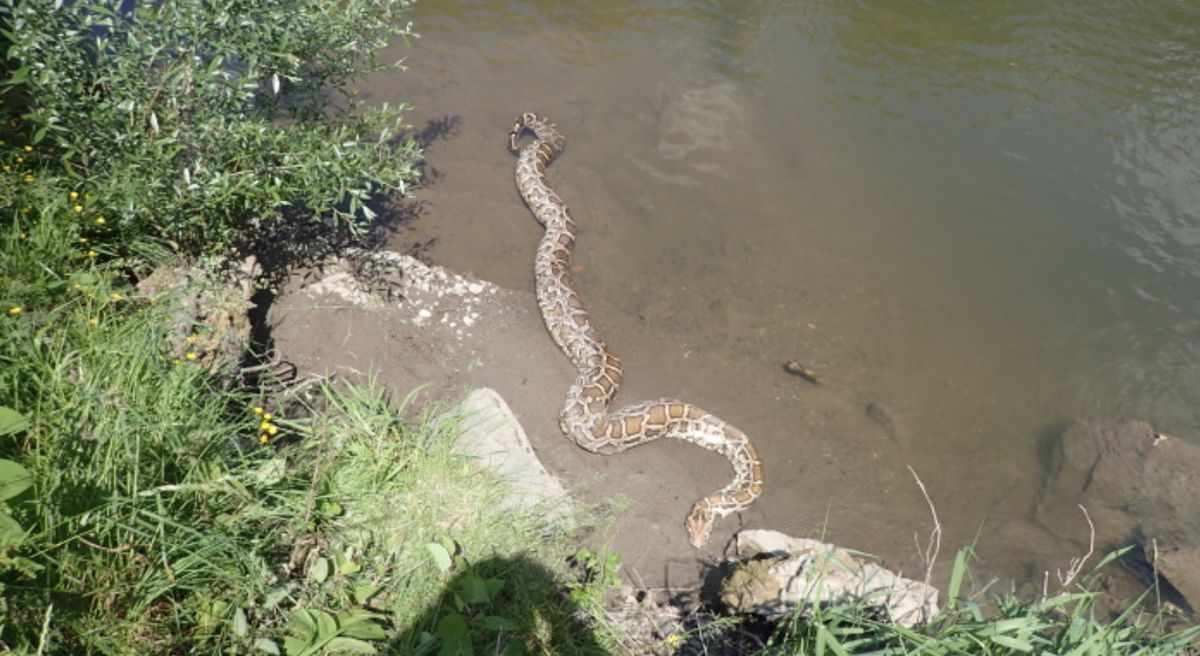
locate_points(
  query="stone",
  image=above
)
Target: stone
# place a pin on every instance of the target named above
(491, 433)
(1139, 487)
(777, 573)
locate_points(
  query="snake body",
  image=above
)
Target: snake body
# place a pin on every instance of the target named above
(586, 417)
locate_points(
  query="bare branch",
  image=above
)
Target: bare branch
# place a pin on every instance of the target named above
(1076, 564)
(930, 553)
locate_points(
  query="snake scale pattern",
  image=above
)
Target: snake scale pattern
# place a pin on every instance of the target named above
(586, 417)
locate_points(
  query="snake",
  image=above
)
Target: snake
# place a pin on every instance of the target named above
(586, 417)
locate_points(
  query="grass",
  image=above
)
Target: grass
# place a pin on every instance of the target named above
(148, 507)
(158, 522)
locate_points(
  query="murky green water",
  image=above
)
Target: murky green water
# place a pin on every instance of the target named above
(983, 215)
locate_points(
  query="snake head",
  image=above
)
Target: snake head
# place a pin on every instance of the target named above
(519, 125)
(699, 524)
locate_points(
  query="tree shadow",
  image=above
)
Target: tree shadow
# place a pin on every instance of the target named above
(502, 605)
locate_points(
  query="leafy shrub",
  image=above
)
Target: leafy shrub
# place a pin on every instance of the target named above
(184, 121)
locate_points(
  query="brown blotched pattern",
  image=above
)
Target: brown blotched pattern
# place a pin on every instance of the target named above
(585, 415)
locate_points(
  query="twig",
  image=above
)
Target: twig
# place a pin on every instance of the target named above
(935, 536)
(44, 637)
(1076, 564)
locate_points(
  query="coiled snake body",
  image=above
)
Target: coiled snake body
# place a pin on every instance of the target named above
(585, 417)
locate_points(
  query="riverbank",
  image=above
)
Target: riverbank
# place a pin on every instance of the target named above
(172, 481)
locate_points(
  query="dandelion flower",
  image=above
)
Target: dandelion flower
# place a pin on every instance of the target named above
(264, 426)
(257, 410)
(16, 309)
(266, 416)
(272, 429)
(191, 355)
(262, 438)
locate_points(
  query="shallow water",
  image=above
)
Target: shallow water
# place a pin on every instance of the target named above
(983, 217)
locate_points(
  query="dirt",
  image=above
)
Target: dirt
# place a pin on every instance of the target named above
(823, 455)
(475, 333)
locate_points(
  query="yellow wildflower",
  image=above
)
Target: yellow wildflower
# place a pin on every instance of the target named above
(264, 426)
(94, 321)
(22, 235)
(272, 429)
(29, 177)
(673, 640)
(83, 240)
(191, 339)
(7, 168)
(191, 355)
(266, 416)
(28, 149)
(26, 209)
(74, 195)
(257, 410)
(262, 438)
(116, 296)
(92, 254)
(16, 309)
(77, 207)
(100, 220)
(20, 159)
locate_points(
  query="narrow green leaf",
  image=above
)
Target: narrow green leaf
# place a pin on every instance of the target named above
(364, 592)
(11, 533)
(267, 646)
(345, 645)
(14, 479)
(11, 421)
(956, 577)
(497, 623)
(319, 571)
(1012, 643)
(441, 557)
(241, 626)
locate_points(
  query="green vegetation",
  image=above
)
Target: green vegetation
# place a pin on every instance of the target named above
(146, 506)
(1065, 623)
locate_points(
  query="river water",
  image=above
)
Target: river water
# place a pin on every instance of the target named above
(982, 217)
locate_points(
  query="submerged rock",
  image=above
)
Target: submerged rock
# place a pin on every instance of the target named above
(779, 573)
(1140, 487)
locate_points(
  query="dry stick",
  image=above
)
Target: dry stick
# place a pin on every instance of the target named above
(1076, 564)
(935, 536)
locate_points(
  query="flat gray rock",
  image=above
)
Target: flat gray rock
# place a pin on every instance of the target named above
(492, 434)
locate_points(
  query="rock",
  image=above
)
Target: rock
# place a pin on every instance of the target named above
(779, 572)
(1139, 487)
(209, 306)
(491, 434)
